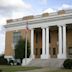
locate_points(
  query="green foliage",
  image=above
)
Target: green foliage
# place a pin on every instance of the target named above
(3, 61)
(20, 49)
(8, 68)
(11, 62)
(67, 64)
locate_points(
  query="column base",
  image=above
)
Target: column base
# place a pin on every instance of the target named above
(32, 56)
(48, 56)
(61, 56)
(44, 56)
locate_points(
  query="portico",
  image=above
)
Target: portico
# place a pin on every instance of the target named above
(49, 35)
(59, 43)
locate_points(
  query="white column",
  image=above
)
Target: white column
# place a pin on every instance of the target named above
(43, 56)
(47, 42)
(32, 43)
(60, 42)
(64, 41)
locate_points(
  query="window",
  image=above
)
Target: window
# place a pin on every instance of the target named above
(16, 37)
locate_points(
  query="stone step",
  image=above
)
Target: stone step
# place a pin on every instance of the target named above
(46, 62)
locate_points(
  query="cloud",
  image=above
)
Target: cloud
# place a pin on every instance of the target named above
(2, 20)
(65, 6)
(62, 7)
(2, 43)
(2, 40)
(7, 7)
(12, 9)
(19, 8)
(49, 10)
(14, 4)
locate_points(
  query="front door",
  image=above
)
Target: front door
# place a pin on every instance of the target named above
(53, 52)
(38, 52)
(38, 42)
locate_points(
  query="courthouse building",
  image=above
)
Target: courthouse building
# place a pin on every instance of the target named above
(50, 35)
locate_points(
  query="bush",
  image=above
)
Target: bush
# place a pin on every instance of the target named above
(3, 61)
(14, 62)
(11, 62)
(67, 64)
(18, 63)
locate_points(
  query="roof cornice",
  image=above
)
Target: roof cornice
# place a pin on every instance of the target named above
(40, 20)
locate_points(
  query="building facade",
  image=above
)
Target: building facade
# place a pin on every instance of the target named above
(50, 35)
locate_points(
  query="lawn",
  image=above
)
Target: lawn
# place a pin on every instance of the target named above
(20, 68)
(60, 70)
(16, 68)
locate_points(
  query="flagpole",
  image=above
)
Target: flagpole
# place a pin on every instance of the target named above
(26, 49)
(26, 43)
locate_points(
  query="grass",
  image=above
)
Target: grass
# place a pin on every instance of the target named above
(16, 68)
(21, 68)
(60, 70)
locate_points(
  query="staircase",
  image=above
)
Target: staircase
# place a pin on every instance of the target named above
(55, 63)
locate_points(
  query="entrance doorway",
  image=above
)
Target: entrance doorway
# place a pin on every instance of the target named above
(54, 52)
(53, 41)
(37, 42)
(38, 52)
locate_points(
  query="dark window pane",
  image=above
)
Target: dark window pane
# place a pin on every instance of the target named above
(16, 37)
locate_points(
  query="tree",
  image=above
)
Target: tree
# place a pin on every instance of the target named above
(20, 49)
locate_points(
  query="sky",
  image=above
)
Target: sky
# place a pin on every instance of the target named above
(11, 9)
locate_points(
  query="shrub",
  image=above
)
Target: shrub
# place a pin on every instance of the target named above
(18, 63)
(3, 61)
(11, 62)
(67, 64)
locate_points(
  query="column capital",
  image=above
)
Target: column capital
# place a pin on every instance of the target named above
(61, 25)
(31, 28)
(64, 25)
(45, 27)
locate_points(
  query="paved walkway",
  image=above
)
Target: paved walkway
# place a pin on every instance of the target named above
(39, 70)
